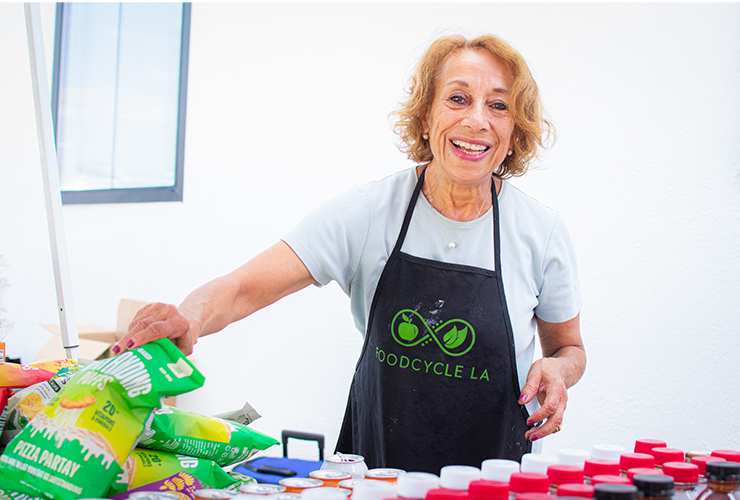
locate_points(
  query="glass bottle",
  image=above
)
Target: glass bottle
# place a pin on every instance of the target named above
(701, 462)
(685, 479)
(723, 481)
(653, 486)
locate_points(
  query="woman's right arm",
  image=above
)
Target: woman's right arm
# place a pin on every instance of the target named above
(269, 276)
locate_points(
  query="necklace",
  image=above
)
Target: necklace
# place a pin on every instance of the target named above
(452, 244)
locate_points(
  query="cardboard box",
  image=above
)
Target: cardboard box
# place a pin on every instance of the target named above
(95, 341)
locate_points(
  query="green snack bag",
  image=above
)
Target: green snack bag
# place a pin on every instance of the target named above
(188, 433)
(76, 446)
(148, 466)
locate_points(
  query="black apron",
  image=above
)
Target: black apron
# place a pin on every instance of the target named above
(436, 383)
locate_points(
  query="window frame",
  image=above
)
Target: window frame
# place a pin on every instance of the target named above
(132, 195)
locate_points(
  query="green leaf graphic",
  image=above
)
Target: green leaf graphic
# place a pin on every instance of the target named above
(405, 318)
(455, 337)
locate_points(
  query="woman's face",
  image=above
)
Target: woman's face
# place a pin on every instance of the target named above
(469, 124)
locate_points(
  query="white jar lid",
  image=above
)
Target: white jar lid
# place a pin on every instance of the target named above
(458, 477)
(416, 484)
(607, 451)
(572, 456)
(537, 462)
(373, 489)
(323, 493)
(498, 469)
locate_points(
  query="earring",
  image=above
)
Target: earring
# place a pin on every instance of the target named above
(425, 137)
(509, 153)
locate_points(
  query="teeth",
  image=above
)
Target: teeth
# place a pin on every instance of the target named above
(469, 147)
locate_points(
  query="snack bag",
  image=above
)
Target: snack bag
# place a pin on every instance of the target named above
(14, 376)
(188, 433)
(75, 447)
(183, 484)
(149, 466)
(16, 495)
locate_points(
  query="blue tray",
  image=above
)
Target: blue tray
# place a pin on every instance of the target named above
(302, 468)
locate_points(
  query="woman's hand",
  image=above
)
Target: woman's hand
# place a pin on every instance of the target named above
(158, 321)
(562, 365)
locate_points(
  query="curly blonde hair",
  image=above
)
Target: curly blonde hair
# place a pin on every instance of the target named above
(532, 131)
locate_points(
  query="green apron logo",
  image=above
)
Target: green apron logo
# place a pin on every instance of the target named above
(455, 337)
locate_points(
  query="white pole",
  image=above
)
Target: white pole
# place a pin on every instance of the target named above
(50, 171)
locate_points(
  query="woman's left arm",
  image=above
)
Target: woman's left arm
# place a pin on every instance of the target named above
(561, 366)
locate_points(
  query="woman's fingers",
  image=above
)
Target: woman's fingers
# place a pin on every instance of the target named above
(157, 321)
(545, 383)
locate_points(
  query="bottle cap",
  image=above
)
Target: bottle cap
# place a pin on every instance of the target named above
(608, 491)
(653, 485)
(572, 456)
(607, 451)
(595, 466)
(729, 455)
(416, 484)
(663, 455)
(458, 477)
(498, 469)
(645, 445)
(488, 490)
(372, 489)
(575, 490)
(641, 470)
(682, 472)
(701, 462)
(723, 471)
(533, 496)
(632, 460)
(445, 494)
(526, 482)
(609, 479)
(537, 463)
(564, 474)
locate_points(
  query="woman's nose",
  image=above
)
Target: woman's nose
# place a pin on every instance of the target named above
(475, 117)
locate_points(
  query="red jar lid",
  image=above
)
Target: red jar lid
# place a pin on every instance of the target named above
(561, 474)
(632, 460)
(483, 489)
(529, 482)
(645, 445)
(701, 462)
(446, 494)
(663, 455)
(641, 470)
(682, 472)
(609, 479)
(533, 496)
(594, 466)
(729, 455)
(576, 490)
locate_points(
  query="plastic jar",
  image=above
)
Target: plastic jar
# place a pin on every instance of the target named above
(723, 481)
(537, 463)
(685, 479)
(653, 486)
(528, 482)
(575, 490)
(488, 490)
(609, 479)
(498, 469)
(645, 445)
(415, 485)
(663, 455)
(729, 455)
(563, 474)
(370, 489)
(629, 461)
(631, 473)
(615, 492)
(701, 462)
(596, 466)
(445, 494)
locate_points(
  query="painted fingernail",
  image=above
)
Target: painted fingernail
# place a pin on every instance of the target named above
(130, 344)
(522, 398)
(116, 349)
(533, 438)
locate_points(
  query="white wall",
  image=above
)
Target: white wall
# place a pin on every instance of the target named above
(288, 104)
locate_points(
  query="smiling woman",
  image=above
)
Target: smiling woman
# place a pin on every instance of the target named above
(447, 372)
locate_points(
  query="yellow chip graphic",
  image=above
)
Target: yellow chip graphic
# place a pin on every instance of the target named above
(75, 404)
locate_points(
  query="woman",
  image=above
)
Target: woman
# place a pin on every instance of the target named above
(450, 271)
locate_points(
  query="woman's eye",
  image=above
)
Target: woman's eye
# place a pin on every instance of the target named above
(500, 106)
(457, 99)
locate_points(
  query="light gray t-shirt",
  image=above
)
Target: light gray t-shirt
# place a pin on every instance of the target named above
(349, 239)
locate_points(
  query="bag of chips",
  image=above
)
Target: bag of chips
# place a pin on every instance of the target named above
(76, 446)
(149, 466)
(188, 433)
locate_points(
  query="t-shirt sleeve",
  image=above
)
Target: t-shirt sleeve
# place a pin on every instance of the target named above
(560, 295)
(330, 239)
